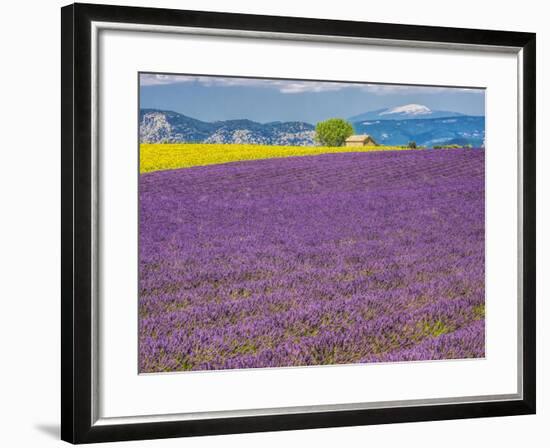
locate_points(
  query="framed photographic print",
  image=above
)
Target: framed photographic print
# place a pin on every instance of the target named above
(274, 223)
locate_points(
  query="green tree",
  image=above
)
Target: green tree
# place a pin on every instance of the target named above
(333, 132)
(412, 145)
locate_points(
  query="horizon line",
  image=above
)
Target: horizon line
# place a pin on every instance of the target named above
(460, 115)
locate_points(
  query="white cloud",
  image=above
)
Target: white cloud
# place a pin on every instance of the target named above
(158, 79)
(309, 86)
(282, 85)
(386, 89)
(292, 87)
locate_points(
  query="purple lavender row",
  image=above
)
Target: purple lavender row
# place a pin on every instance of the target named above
(329, 259)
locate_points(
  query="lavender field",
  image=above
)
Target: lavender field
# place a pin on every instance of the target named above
(328, 259)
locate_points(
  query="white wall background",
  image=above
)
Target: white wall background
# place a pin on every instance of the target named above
(30, 210)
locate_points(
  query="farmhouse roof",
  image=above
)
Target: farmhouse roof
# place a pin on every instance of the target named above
(358, 138)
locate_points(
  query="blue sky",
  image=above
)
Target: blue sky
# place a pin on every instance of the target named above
(223, 98)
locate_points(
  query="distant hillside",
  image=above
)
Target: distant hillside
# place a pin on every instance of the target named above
(157, 126)
(460, 130)
(165, 126)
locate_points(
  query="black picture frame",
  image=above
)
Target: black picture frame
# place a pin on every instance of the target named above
(76, 219)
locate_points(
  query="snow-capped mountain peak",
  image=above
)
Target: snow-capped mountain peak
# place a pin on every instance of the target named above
(404, 112)
(408, 109)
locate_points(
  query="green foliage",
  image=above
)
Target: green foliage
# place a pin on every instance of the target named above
(479, 311)
(454, 146)
(333, 132)
(435, 329)
(411, 145)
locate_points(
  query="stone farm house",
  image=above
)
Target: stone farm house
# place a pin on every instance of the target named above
(360, 140)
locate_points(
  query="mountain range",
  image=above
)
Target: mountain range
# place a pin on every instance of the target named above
(391, 126)
(166, 126)
(405, 112)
